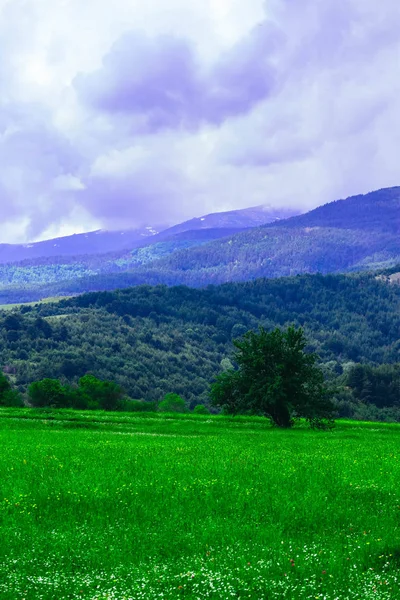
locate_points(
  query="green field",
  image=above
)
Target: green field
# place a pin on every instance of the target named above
(43, 301)
(120, 506)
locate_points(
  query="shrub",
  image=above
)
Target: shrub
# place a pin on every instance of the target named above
(173, 403)
(105, 395)
(48, 392)
(8, 396)
(201, 409)
(129, 405)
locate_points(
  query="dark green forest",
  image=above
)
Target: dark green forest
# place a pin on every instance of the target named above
(156, 340)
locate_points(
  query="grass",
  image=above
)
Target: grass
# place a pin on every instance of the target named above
(50, 300)
(127, 506)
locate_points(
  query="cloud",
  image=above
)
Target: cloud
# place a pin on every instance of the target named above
(161, 82)
(243, 76)
(156, 78)
(34, 159)
(131, 113)
(332, 127)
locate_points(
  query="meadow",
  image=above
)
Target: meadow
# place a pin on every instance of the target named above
(52, 300)
(128, 506)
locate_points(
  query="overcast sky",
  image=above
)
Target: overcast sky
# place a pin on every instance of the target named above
(131, 112)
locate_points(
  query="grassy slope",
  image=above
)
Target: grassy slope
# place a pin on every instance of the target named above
(43, 301)
(127, 506)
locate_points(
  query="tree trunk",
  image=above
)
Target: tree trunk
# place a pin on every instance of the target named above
(280, 415)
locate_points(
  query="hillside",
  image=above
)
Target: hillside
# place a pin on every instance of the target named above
(376, 211)
(154, 340)
(355, 234)
(261, 252)
(93, 242)
(27, 271)
(346, 235)
(102, 242)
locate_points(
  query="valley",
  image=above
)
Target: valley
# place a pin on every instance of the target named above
(199, 300)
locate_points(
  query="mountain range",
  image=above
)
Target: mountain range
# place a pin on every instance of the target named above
(102, 241)
(357, 233)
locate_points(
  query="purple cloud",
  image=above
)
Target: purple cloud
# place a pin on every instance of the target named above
(301, 109)
(33, 155)
(162, 80)
(144, 76)
(243, 76)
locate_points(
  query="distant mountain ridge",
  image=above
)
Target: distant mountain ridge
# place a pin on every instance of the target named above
(93, 242)
(379, 210)
(214, 225)
(356, 234)
(239, 219)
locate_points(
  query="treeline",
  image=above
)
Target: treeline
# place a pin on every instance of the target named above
(363, 392)
(89, 393)
(156, 340)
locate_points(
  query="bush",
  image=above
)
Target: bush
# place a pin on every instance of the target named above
(11, 398)
(91, 393)
(5, 385)
(173, 403)
(128, 405)
(105, 395)
(49, 392)
(201, 409)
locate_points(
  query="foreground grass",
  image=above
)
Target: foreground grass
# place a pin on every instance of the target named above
(125, 506)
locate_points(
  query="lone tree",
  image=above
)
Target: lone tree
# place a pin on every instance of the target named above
(275, 378)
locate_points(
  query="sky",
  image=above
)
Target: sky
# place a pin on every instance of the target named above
(128, 113)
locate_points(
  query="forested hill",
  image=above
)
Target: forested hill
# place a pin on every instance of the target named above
(347, 235)
(154, 340)
(376, 211)
(350, 235)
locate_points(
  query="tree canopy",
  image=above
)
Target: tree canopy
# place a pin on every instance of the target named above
(8, 396)
(173, 403)
(154, 340)
(91, 392)
(275, 378)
